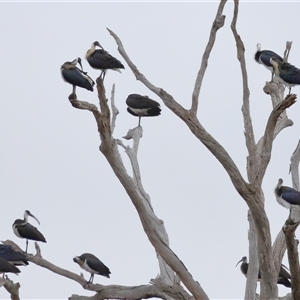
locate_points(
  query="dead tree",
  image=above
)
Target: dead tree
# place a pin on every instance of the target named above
(172, 270)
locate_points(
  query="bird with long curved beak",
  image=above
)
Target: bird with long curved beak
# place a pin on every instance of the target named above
(100, 59)
(284, 276)
(25, 230)
(76, 77)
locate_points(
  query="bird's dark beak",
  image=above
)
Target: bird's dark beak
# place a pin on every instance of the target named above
(31, 215)
(239, 262)
(79, 61)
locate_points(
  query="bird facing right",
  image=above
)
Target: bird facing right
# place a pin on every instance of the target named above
(92, 264)
(286, 196)
(100, 59)
(25, 230)
(76, 77)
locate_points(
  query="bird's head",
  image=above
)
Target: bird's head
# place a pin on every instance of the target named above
(244, 260)
(258, 47)
(96, 43)
(28, 213)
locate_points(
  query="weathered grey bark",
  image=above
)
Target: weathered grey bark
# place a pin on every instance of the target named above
(251, 193)
(292, 250)
(11, 287)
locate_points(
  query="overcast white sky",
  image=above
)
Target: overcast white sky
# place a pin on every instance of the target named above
(49, 158)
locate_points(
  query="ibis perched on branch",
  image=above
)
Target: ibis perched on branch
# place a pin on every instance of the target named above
(92, 264)
(6, 267)
(142, 106)
(100, 59)
(12, 256)
(286, 196)
(263, 57)
(286, 73)
(25, 230)
(284, 276)
(76, 77)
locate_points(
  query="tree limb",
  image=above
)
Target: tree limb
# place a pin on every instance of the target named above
(292, 250)
(11, 287)
(151, 224)
(217, 24)
(103, 292)
(249, 134)
(268, 138)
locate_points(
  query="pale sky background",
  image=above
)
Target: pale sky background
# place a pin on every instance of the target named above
(49, 158)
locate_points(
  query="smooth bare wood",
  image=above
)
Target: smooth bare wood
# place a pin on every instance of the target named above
(293, 256)
(217, 24)
(11, 287)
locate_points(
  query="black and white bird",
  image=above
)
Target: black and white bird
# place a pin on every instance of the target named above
(263, 57)
(12, 256)
(6, 267)
(92, 264)
(286, 196)
(284, 276)
(76, 77)
(100, 59)
(25, 230)
(286, 73)
(142, 106)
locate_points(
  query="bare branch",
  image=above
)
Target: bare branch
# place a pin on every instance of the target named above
(119, 292)
(11, 287)
(82, 104)
(175, 291)
(292, 250)
(103, 292)
(294, 167)
(217, 24)
(287, 51)
(249, 134)
(253, 269)
(268, 138)
(153, 227)
(114, 109)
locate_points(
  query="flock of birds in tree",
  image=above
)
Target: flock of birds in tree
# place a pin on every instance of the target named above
(288, 75)
(99, 59)
(141, 106)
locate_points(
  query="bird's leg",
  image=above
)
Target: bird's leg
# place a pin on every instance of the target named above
(26, 245)
(272, 76)
(139, 121)
(290, 214)
(74, 89)
(290, 88)
(92, 278)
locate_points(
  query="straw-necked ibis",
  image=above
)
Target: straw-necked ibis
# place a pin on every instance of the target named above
(100, 59)
(142, 106)
(12, 256)
(286, 196)
(284, 276)
(92, 264)
(76, 77)
(25, 230)
(286, 73)
(263, 57)
(6, 267)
